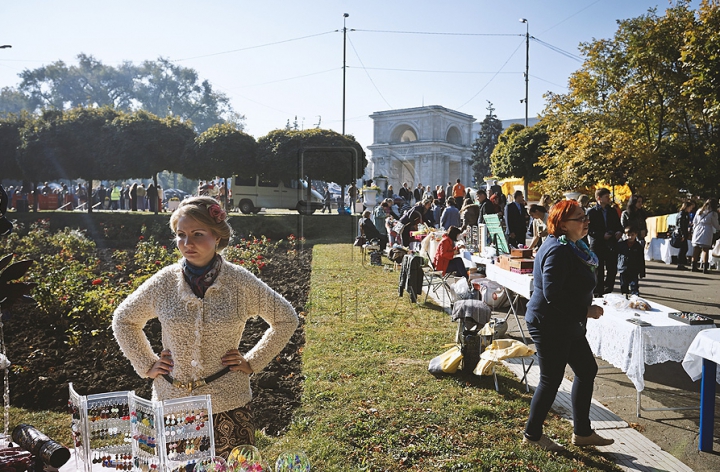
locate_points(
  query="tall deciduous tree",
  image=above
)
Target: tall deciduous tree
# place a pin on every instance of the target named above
(10, 143)
(518, 151)
(632, 115)
(279, 153)
(67, 145)
(159, 87)
(141, 145)
(12, 102)
(223, 150)
(490, 131)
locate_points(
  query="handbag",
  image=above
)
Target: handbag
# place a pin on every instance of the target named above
(359, 241)
(676, 239)
(447, 362)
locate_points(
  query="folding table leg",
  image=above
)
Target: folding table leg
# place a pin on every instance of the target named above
(513, 311)
(707, 405)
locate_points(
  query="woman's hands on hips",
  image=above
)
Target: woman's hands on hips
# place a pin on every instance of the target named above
(594, 311)
(236, 362)
(162, 366)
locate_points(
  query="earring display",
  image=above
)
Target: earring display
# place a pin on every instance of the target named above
(122, 431)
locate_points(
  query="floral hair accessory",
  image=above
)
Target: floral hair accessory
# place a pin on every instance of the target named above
(217, 213)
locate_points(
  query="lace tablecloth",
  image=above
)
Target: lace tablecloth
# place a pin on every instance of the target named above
(629, 347)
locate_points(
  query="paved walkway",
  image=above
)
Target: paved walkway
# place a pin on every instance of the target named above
(632, 450)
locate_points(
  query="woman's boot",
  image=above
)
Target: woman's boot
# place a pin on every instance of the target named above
(695, 267)
(706, 267)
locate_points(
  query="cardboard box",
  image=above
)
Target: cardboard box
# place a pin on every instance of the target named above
(522, 266)
(504, 261)
(522, 253)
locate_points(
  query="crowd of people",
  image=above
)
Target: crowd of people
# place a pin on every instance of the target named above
(130, 197)
(617, 237)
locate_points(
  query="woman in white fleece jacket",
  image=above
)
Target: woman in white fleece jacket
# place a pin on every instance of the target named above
(202, 303)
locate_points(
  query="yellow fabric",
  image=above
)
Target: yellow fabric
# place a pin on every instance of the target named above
(450, 359)
(656, 224)
(501, 349)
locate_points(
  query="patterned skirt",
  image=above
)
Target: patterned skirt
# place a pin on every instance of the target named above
(233, 428)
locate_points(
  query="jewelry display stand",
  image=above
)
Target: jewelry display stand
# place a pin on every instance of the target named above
(121, 431)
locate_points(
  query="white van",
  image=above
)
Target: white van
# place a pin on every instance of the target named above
(251, 194)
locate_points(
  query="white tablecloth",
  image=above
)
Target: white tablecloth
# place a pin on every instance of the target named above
(706, 345)
(629, 347)
(522, 284)
(661, 250)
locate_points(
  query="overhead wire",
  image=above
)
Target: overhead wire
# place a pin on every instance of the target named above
(367, 73)
(439, 71)
(256, 46)
(436, 33)
(576, 13)
(493, 77)
(286, 79)
(558, 50)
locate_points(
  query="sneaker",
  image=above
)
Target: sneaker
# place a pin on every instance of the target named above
(593, 440)
(544, 443)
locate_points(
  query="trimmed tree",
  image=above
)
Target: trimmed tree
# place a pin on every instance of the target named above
(222, 150)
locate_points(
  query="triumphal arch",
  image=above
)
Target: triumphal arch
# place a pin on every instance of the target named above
(429, 145)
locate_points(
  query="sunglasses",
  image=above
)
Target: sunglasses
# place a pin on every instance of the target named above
(582, 219)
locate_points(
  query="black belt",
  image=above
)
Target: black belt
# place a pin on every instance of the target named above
(193, 384)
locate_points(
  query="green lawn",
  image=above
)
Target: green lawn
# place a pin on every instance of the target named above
(369, 402)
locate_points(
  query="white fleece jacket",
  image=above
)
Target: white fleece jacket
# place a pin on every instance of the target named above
(198, 332)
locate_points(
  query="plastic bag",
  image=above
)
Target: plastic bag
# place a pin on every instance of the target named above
(492, 293)
(619, 302)
(448, 362)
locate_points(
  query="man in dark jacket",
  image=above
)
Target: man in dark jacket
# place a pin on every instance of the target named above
(405, 192)
(603, 234)
(418, 193)
(516, 217)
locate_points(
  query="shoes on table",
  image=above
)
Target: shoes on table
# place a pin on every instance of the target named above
(544, 443)
(593, 440)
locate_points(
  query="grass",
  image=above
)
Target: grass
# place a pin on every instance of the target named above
(369, 403)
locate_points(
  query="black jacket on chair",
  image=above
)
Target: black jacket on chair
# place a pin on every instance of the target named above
(411, 276)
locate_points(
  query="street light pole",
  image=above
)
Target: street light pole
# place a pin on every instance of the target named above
(527, 64)
(345, 15)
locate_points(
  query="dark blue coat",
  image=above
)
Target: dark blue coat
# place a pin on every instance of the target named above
(631, 259)
(562, 289)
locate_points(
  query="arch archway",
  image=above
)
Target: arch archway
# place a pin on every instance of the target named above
(453, 136)
(403, 134)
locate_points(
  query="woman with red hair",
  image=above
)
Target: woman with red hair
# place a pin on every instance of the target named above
(557, 312)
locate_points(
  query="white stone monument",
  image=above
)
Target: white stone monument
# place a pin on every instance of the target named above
(430, 145)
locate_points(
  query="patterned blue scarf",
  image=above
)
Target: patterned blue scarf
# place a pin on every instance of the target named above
(200, 278)
(582, 251)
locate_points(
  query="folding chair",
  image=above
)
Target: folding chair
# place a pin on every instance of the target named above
(434, 279)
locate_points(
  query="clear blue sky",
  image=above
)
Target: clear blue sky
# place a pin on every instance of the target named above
(303, 77)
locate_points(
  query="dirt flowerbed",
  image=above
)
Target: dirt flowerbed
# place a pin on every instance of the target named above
(44, 362)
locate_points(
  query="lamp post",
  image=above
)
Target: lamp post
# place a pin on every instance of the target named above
(345, 15)
(527, 64)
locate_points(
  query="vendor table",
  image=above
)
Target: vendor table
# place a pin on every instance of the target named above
(659, 249)
(701, 360)
(521, 285)
(629, 347)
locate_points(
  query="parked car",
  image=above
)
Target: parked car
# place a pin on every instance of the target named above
(251, 194)
(174, 193)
